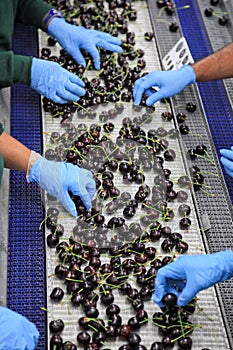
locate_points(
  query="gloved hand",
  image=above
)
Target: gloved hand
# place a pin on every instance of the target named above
(56, 83)
(170, 83)
(192, 274)
(16, 332)
(73, 38)
(227, 160)
(58, 178)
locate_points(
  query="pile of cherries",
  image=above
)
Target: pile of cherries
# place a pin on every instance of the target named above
(113, 230)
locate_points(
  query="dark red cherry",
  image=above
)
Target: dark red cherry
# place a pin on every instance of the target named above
(56, 342)
(56, 326)
(68, 345)
(191, 107)
(83, 338)
(169, 300)
(57, 294)
(185, 343)
(148, 36)
(125, 331)
(223, 20)
(173, 27)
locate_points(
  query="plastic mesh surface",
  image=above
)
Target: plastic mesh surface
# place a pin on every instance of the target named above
(26, 283)
(211, 126)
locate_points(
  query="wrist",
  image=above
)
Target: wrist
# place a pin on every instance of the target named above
(48, 18)
(190, 73)
(32, 160)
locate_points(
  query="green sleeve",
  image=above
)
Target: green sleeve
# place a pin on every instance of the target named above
(14, 68)
(1, 129)
(32, 12)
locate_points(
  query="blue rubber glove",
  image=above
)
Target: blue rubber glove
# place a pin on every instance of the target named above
(192, 274)
(227, 160)
(58, 178)
(56, 83)
(170, 83)
(16, 332)
(73, 38)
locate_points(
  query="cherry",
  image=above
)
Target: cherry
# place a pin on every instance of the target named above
(173, 27)
(182, 247)
(169, 300)
(184, 210)
(214, 2)
(83, 338)
(191, 107)
(52, 240)
(57, 294)
(56, 342)
(185, 343)
(157, 346)
(98, 337)
(125, 331)
(68, 345)
(184, 223)
(134, 339)
(223, 20)
(56, 326)
(208, 12)
(148, 36)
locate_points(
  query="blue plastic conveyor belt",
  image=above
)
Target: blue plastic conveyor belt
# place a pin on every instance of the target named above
(26, 280)
(214, 98)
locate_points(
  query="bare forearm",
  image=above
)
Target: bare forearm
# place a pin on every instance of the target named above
(15, 154)
(216, 66)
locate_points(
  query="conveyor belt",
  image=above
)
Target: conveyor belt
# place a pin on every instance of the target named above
(26, 281)
(205, 123)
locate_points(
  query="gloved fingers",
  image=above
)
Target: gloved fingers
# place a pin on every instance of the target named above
(155, 97)
(78, 57)
(109, 45)
(84, 195)
(141, 85)
(189, 292)
(67, 203)
(150, 91)
(94, 52)
(91, 188)
(228, 164)
(56, 98)
(70, 92)
(227, 153)
(76, 80)
(110, 38)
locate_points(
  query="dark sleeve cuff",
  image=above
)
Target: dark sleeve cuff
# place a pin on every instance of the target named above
(22, 69)
(49, 17)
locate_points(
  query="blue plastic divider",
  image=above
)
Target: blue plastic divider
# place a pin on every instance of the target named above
(26, 257)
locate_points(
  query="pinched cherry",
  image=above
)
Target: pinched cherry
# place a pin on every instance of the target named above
(169, 300)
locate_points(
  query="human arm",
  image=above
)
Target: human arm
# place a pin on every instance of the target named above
(219, 65)
(191, 274)
(57, 178)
